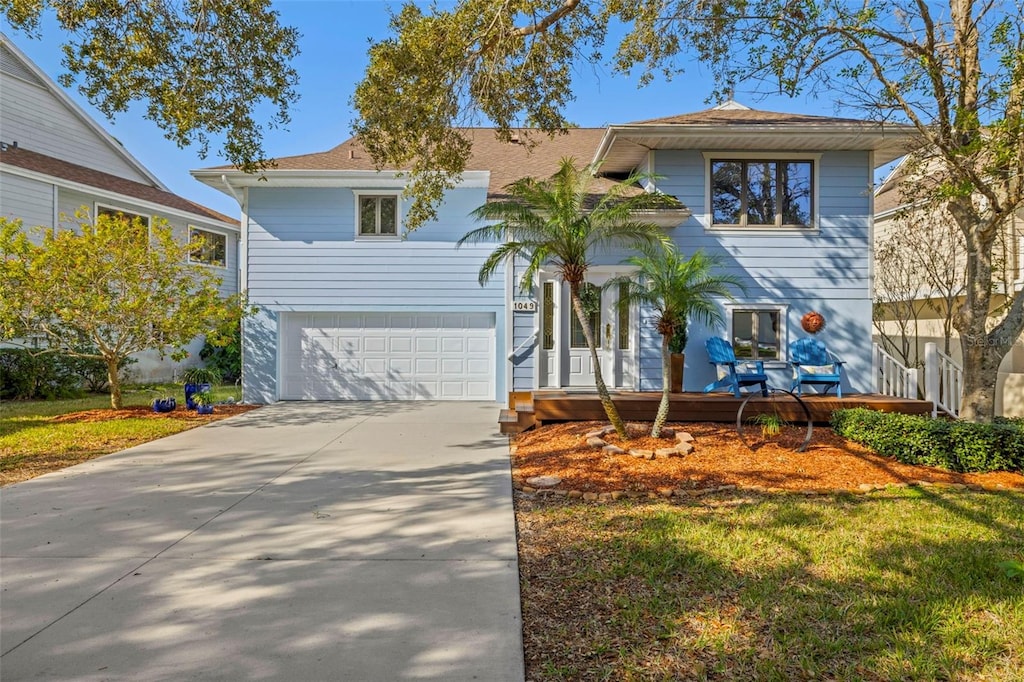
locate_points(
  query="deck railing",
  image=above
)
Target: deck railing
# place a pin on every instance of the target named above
(943, 381)
(892, 377)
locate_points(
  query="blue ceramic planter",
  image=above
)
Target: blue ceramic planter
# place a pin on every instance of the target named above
(164, 404)
(204, 409)
(191, 390)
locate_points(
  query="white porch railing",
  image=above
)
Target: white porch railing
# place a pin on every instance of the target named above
(893, 377)
(943, 381)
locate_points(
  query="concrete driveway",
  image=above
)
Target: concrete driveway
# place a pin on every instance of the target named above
(313, 541)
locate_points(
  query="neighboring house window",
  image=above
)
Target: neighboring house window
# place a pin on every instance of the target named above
(377, 215)
(114, 212)
(761, 192)
(214, 249)
(757, 332)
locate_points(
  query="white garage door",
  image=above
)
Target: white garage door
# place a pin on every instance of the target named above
(387, 356)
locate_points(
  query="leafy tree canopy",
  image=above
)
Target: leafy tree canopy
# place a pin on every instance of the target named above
(204, 68)
(108, 290)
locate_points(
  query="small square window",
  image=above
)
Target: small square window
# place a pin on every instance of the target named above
(757, 334)
(378, 216)
(213, 249)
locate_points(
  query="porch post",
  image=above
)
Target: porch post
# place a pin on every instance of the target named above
(931, 375)
(876, 369)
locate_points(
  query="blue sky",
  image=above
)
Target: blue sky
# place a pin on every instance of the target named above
(333, 44)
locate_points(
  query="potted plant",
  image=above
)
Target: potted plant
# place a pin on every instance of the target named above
(165, 404)
(204, 401)
(198, 379)
(677, 358)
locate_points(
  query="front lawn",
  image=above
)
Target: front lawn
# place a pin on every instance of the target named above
(39, 436)
(896, 585)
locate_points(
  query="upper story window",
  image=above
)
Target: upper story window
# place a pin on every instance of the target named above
(377, 215)
(762, 192)
(213, 250)
(128, 216)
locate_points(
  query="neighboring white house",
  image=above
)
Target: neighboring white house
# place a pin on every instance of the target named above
(55, 160)
(923, 321)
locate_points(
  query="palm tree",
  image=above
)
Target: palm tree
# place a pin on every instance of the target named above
(678, 289)
(559, 222)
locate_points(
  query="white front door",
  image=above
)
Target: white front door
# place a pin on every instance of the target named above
(565, 359)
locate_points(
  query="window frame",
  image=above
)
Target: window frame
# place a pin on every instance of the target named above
(378, 236)
(783, 332)
(744, 157)
(111, 208)
(227, 240)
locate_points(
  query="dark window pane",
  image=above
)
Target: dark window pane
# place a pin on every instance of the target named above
(761, 196)
(213, 250)
(767, 335)
(726, 192)
(796, 193)
(388, 215)
(623, 320)
(367, 215)
(743, 334)
(548, 332)
(576, 337)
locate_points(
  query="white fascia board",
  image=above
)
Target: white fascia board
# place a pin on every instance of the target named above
(362, 179)
(117, 197)
(80, 113)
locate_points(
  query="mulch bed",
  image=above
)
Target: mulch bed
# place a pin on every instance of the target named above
(830, 463)
(143, 412)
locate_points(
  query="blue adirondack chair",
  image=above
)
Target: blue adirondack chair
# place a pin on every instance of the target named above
(733, 373)
(814, 364)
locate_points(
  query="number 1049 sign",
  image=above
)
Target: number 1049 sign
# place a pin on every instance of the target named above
(524, 306)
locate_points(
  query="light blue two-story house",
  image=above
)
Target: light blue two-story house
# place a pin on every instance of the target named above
(351, 310)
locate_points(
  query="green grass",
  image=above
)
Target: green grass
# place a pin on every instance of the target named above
(889, 586)
(32, 442)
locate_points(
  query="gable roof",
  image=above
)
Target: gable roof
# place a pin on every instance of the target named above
(505, 161)
(18, 63)
(17, 157)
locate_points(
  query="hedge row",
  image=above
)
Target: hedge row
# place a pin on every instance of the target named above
(954, 445)
(24, 376)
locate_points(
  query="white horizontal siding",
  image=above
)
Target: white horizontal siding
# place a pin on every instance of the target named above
(26, 199)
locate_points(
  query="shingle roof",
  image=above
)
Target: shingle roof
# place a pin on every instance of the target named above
(48, 165)
(744, 116)
(506, 162)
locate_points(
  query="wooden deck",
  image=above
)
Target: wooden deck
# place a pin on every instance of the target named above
(546, 406)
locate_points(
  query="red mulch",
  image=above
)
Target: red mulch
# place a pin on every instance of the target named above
(829, 463)
(142, 412)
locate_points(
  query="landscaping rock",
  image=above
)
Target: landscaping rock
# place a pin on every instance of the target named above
(596, 442)
(543, 481)
(613, 450)
(684, 437)
(575, 494)
(594, 434)
(684, 448)
(665, 492)
(668, 433)
(528, 490)
(618, 494)
(590, 497)
(866, 487)
(642, 454)
(664, 453)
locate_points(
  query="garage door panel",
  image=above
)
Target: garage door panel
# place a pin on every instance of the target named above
(387, 356)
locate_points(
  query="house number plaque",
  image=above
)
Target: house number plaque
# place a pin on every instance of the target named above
(524, 306)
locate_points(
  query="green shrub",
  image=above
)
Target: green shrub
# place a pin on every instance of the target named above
(24, 376)
(48, 376)
(227, 360)
(954, 445)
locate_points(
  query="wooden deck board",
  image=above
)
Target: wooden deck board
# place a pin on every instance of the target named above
(551, 406)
